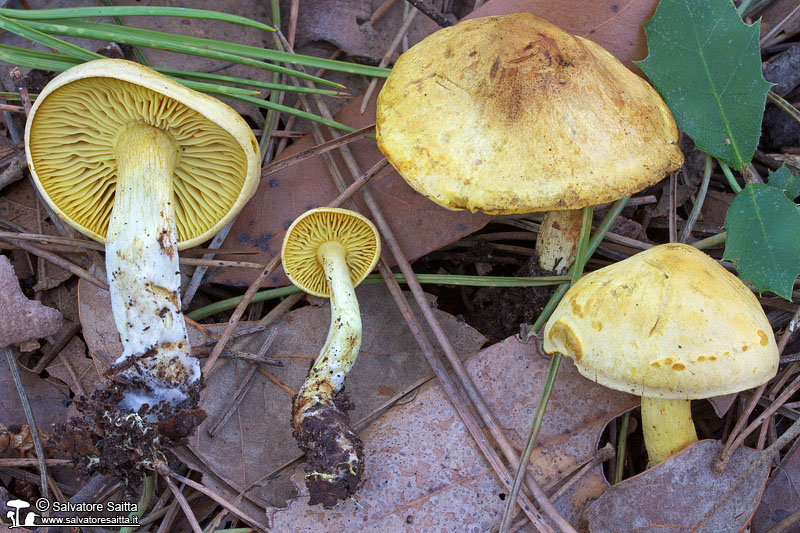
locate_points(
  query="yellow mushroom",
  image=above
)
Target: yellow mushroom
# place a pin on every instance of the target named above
(670, 325)
(134, 159)
(327, 252)
(511, 114)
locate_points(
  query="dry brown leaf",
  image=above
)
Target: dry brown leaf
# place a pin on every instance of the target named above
(424, 472)
(782, 495)
(258, 439)
(50, 405)
(615, 25)
(343, 23)
(775, 12)
(48, 402)
(75, 369)
(715, 207)
(721, 404)
(20, 205)
(22, 319)
(683, 494)
(340, 22)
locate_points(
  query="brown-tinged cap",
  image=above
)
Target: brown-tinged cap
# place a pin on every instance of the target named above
(309, 231)
(668, 323)
(77, 118)
(511, 114)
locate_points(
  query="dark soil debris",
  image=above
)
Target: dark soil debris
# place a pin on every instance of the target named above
(334, 453)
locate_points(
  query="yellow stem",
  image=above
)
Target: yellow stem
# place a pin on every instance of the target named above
(667, 426)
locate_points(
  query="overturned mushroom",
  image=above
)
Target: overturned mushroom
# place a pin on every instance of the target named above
(131, 158)
(327, 252)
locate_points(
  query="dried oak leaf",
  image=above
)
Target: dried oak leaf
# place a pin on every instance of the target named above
(782, 495)
(22, 319)
(683, 494)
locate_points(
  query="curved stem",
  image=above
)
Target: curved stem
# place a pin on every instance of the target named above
(667, 426)
(334, 459)
(143, 272)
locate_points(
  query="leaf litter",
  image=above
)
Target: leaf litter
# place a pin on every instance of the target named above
(616, 25)
(250, 447)
(425, 473)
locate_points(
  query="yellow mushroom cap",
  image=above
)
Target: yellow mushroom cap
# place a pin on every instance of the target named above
(511, 114)
(73, 126)
(668, 323)
(356, 233)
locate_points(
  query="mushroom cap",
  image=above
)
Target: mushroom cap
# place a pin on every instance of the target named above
(355, 232)
(511, 114)
(73, 126)
(668, 323)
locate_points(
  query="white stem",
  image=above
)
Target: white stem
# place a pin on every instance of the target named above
(344, 336)
(557, 242)
(142, 266)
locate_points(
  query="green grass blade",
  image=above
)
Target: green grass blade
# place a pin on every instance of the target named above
(375, 279)
(58, 63)
(266, 104)
(162, 41)
(32, 34)
(136, 51)
(244, 81)
(225, 90)
(156, 39)
(35, 59)
(131, 11)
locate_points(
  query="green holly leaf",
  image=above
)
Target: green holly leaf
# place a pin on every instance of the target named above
(763, 228)
(706, 63)
(787, 181)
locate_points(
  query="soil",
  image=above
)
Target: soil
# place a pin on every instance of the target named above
(334, 453)
(125, 444)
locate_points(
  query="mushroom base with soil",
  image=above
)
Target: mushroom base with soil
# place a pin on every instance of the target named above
(155, 383)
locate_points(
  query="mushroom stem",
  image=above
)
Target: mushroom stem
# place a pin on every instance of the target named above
(557, 241)
(143, 272)
(334, 457)
(667, 426)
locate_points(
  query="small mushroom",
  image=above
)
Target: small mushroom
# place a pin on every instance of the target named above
(511, 114)
(134, 159)
(670, 325)
(327, 252)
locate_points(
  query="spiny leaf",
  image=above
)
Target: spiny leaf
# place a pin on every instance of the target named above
(763, 225)
(787, 181)
(706, 63)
